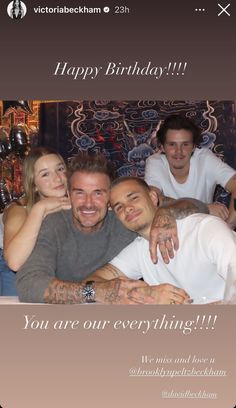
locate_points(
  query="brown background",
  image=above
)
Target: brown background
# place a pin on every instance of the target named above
(81, 367)
(161, 32)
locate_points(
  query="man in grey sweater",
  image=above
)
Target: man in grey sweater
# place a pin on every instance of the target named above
(73, 244)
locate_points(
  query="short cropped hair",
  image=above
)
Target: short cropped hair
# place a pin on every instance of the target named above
(139, 181)
(178, 122)
(89, 162)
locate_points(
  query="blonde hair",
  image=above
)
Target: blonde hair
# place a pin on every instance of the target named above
(31, 195)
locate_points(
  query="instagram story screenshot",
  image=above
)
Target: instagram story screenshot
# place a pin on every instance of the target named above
(117, 203)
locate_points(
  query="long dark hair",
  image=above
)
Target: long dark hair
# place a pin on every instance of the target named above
(16, 8)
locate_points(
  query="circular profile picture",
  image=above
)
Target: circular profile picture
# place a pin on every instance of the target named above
(16, 9)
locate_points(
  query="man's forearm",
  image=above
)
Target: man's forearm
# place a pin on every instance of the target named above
(112, 289)
(64, 292)
(59, 291)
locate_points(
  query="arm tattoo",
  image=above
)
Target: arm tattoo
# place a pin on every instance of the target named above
(183, 207)
(163, 201)
(164, 221)
(199, 205)
(108, 272)
(61, 292)
(179, 213)
(111, 295)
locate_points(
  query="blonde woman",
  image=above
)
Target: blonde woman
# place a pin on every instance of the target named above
(45, 186)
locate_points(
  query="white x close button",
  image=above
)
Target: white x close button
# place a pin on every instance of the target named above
(224, 9)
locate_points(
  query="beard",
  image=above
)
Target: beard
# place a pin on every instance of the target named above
(90, 221)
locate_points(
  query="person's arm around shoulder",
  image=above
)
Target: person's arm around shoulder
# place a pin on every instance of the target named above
(164, 228)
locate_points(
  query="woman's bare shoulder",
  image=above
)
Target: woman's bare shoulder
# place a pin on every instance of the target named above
(14, 209)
